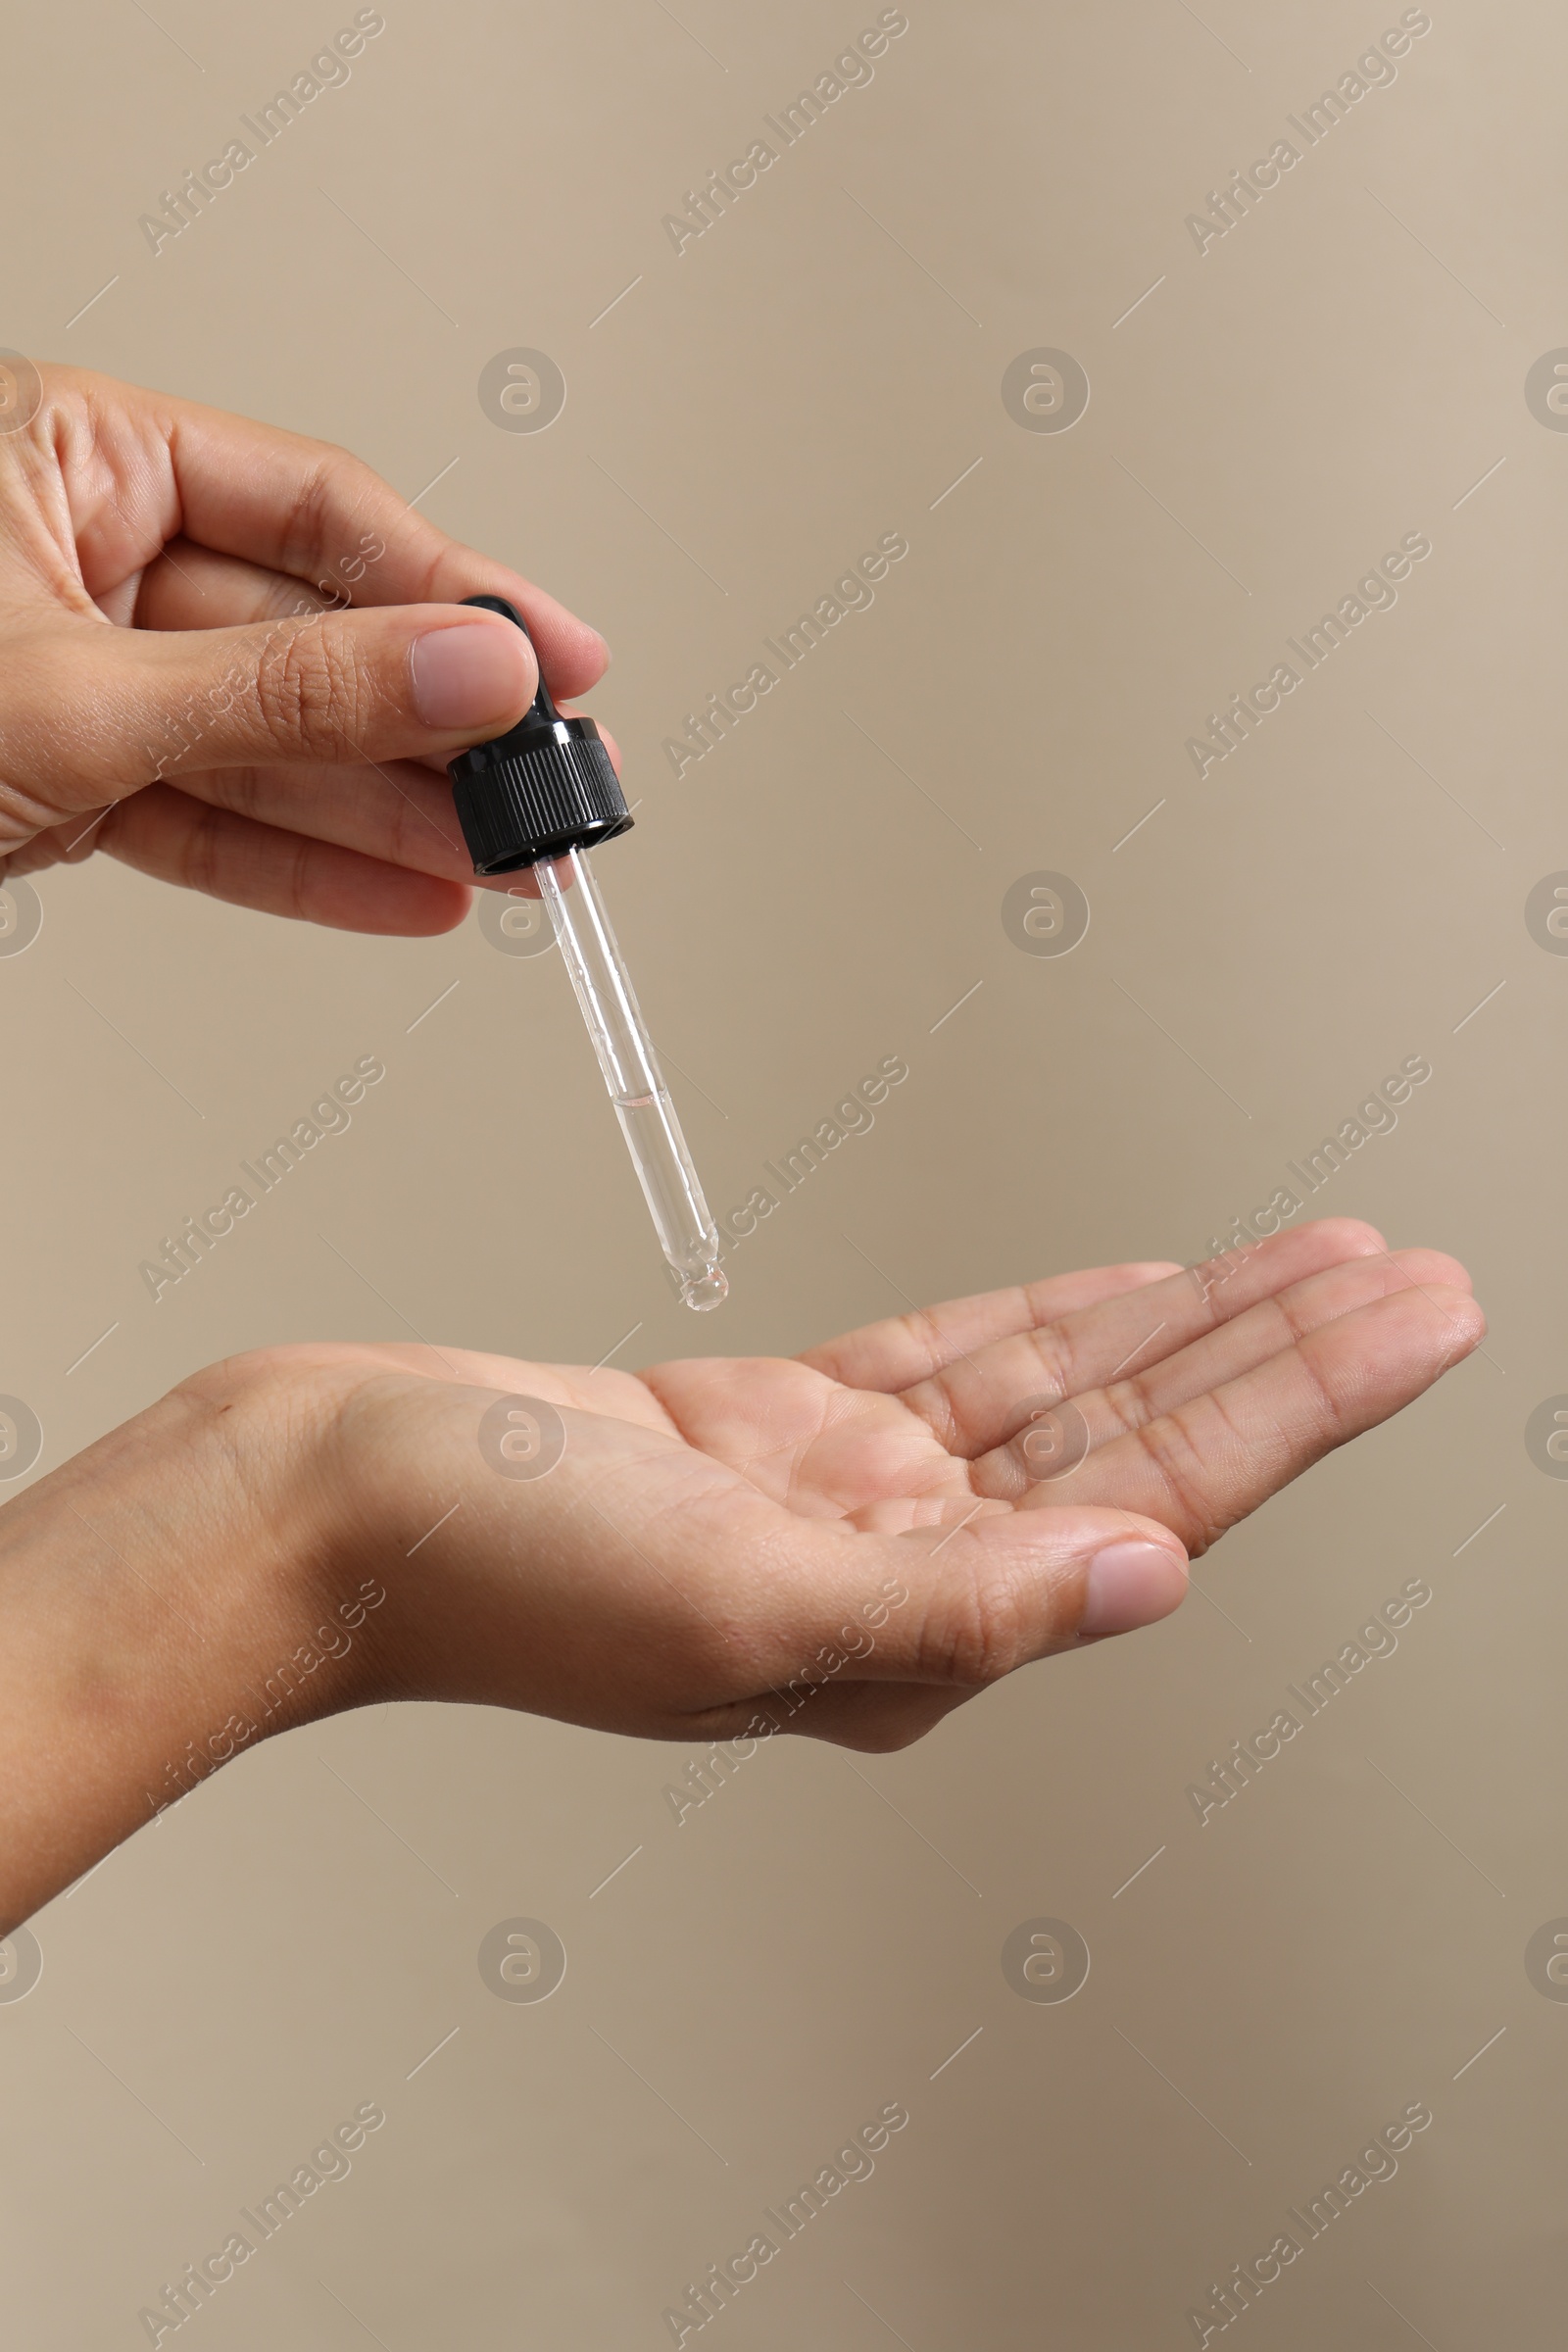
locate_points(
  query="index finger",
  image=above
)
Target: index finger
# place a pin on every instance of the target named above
(893, 1355)
(311, 510)
(973, 1402)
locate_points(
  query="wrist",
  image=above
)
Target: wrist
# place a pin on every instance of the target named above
(163, 1602)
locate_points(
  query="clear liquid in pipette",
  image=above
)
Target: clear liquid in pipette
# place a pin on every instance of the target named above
(670, 1186)
(657, 1151)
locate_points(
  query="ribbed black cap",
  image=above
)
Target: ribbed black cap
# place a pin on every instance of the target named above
(545, 787)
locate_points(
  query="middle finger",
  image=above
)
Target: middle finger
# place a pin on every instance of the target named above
(1047, 1446)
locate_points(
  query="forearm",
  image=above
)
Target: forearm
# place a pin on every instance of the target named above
(155, 1593)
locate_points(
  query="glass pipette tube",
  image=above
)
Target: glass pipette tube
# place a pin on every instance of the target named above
(682, 1220)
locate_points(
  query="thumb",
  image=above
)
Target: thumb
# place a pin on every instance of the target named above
(93, 711)
(965, 1604)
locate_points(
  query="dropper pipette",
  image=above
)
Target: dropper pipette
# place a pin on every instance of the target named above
(542, 796)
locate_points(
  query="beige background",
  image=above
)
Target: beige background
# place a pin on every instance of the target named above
(1341, 370)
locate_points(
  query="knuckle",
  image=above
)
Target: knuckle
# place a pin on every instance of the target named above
(932, 1401)
(915, 1329)
(312, 694)
(1292, 1319)
(1131, 1403)
(328, 470)
(976, 1632)
(296, 881)
(336, 484)
(243, 790)
(1179, 1463)
(1054, 1354)
(1331, 1412)
(197, 854)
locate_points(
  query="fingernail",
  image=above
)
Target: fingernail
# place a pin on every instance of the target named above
(1130, 1585)
(473, 676)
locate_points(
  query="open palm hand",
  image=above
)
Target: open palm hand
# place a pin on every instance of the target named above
(850, 1542)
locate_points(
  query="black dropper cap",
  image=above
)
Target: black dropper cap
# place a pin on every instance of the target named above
(545, 787)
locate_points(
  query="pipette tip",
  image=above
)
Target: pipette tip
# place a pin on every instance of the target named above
(705, 1291)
